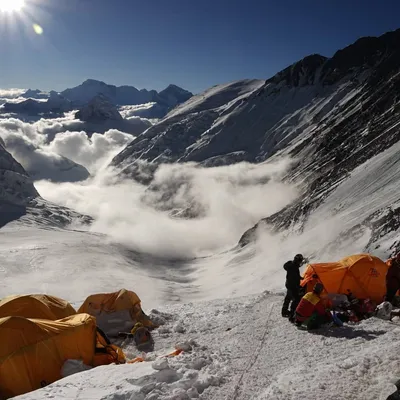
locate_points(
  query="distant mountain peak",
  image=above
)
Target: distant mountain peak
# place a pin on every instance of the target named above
(125, 95)
(94, 82)
(99, 109)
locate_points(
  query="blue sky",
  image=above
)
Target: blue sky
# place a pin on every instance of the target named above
(194, 44)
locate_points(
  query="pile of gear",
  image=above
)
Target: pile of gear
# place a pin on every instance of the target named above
(350, 290)
(40, 336)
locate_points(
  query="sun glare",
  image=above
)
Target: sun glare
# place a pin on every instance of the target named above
(11, 5)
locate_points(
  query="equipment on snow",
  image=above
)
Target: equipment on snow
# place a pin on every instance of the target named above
(141, 336)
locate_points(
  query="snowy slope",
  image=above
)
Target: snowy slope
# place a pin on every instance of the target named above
(171, 139)
(243, 349)
(250, 120)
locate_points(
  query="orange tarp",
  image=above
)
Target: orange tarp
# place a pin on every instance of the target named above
(363, 275)
(38, 306)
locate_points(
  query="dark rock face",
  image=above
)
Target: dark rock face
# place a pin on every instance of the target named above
(301, 73)
(172, 96)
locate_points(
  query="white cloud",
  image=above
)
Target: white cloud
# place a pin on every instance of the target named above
(94, 152)
(230, 200)
(49, 139)
(131, 111)
(11, 93)
(42, 164)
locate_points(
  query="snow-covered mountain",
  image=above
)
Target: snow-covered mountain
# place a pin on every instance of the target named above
(343, 140)
(330, 115)
(100, 115)
(172, 95)
(122, 95)
(174, 138)
(54, 104)
(99, 109)
(125, 95)
(35, 94)
(16, 187)
(21, 202)
(20, 199)
(80, 96)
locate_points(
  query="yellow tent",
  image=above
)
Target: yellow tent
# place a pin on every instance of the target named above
(362, 274)
(38, 306)
(33, 351)
(116, 312)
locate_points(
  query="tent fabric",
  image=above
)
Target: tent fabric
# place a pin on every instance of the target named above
(37, 306)
(33, 351)
(116, 312)
(363, 275)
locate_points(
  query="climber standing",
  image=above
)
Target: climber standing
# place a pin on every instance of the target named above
(392, 278)
(293, 278)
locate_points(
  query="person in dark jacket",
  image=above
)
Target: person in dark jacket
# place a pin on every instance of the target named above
(392, 278)
(293, 278)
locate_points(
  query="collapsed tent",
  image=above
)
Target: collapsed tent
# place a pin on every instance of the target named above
(116, 312)
(33, 351)
(39, 306)
(363, 275)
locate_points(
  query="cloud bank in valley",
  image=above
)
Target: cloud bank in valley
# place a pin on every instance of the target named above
(231, 198)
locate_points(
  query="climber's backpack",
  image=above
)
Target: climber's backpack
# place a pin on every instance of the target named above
(143, 339)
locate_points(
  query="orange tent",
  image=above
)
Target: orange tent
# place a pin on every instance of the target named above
(362, 274)
(40, 306)
(33, 351)
(116, 312)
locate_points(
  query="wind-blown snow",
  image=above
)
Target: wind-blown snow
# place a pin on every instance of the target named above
(219, 202)
(94, 152)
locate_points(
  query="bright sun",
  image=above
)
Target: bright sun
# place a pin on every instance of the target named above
(11, 5)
